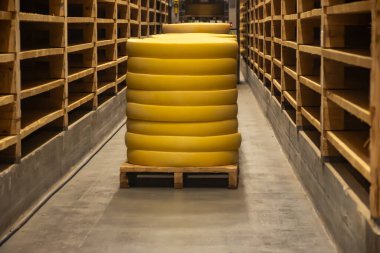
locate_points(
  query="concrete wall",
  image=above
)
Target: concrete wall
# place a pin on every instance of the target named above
(337, 197)
(24, 184)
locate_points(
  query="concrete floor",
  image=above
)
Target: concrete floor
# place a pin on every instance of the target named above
(270, 211)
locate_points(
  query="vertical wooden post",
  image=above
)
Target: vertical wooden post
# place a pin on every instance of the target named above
(178, 180)
(375, 113)
(124, 180)
(232, 180)
(16, 70)
(65, 69)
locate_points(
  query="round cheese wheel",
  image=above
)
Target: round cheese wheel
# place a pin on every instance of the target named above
(183, 129)
(183, 48)
(182, 159)
(230, 142)
(222, 66)
(181, 113)
(218, 97)
(139, 81)
(196, 28)
(171, 36)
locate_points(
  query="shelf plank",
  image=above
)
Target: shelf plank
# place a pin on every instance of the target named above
(122, 59)
(347, 8)
(78, 47)
(355, 102)
(4, 58)
(133, 6)
(104, 21)
(313, 82)
(33, 17)
(357, 57)
(291, 71)
(35, 53)
(7, 141)
(351, 144)
(313, 115)
(77, 99)
(34, 120)
(78, 73)
(121, 40)
(316, 50)
(106, 65)
(5, 15)
(277, 84)
(290, 17)
(80, 20)
(103, 86)
(291, 44)
(102, 43)
(29, 89)
(121, 78)
(312, 14)
(290, 96)
(277, 62)
(6, 99)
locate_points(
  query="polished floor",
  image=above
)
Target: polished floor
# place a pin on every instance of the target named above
(270, 212)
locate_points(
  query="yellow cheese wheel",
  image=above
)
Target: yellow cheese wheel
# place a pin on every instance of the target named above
(196, 28)
(215, 97)
(230, 142)
(182, 48)
(181, 113)
(182, 159)
(172, 36)
(139, 81)
(221, 66)
(183, 129)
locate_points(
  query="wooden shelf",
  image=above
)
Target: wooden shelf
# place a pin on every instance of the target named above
(6, 99)
(351, 144)
(102, 65)
(355, 102)
(313, 82)
(290, 96)
(4, 58)
(78, 20)
(33, 120)
(40, 53)
(291, 71)
(312, 49)
(77, 73)
(32, 88)
(32, 17)
(313, 115)
(104, 86)
(357, 57)
(77, 99)
(312, 14)
(5, 15)
(79, 47)
(324, 80)
(348, 8)
(7, 141)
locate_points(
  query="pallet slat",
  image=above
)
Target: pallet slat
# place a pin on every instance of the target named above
(231, 170)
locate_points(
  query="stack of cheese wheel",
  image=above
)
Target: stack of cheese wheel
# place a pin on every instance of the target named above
(181, 101)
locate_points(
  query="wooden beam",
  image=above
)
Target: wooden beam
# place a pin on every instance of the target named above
(375, 113)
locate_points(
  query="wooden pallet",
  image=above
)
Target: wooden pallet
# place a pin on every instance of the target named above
(231, 170)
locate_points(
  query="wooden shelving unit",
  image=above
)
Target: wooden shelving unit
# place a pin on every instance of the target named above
(326, 82)
(61, 59)
(243, 30)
